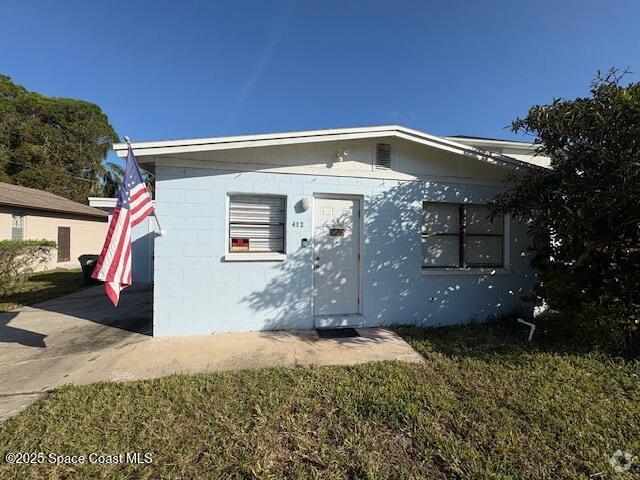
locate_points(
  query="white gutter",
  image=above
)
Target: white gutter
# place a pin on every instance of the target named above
(102, 202)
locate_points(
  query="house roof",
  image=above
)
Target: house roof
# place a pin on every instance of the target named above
(16, 196)
(167, 147)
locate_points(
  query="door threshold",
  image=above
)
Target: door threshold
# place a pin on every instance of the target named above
(345, 320)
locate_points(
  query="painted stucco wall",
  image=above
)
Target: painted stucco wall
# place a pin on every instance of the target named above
(198, 292)
(87, 233)
(5, 224)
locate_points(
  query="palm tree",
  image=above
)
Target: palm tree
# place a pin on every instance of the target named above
(112, 179)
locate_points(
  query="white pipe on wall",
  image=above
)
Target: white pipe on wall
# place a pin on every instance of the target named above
(532, 326)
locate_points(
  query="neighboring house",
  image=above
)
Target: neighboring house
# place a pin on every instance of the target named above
(30, 214)
(348, 227)
(142, 237)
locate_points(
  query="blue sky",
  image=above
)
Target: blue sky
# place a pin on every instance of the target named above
(168, 69)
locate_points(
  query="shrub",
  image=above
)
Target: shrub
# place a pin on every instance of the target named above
(583, 213)
(19, 258)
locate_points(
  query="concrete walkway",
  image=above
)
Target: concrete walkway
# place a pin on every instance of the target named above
(81, 338)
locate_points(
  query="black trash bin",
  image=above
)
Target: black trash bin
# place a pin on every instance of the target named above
(88, 263)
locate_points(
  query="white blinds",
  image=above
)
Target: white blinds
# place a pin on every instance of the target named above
(256, 223)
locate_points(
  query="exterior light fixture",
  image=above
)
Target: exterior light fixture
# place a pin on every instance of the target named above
(340, 154)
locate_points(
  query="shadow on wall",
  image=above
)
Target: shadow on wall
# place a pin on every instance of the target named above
(142, 257)
(395, 291)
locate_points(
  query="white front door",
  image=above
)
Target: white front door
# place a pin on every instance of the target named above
(336, 251)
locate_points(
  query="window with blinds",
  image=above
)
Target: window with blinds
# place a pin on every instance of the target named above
(455, 235)
(256, 223)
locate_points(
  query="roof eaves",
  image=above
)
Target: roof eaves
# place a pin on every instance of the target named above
(142, 149)
(121, 148)
(96, 213)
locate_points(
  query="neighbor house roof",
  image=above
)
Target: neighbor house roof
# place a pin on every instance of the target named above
(167, 147)
(31, 198)
(467, 139)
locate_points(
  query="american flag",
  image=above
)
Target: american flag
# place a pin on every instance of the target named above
(133, 206)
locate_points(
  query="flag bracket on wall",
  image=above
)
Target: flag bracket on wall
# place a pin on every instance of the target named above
(161, 231)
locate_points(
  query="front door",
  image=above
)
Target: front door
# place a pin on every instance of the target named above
(336, 252)
(64, 244)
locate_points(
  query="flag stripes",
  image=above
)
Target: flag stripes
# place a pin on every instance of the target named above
(133, 206)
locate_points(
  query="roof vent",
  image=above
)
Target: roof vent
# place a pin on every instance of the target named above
(383, 155)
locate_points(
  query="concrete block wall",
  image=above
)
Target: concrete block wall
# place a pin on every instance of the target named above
(198, 292)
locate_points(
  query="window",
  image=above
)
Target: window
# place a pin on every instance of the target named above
(383, 155)
(17, 227)
(256, 223)
(455, 235)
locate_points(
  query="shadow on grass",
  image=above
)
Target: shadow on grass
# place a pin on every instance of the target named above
(43, 286)
(502, 338)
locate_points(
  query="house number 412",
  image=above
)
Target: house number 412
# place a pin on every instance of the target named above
(297, 224)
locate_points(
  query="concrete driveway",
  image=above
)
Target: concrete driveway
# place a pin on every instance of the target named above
(81, 338)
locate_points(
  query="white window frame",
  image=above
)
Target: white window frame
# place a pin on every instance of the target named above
(254, 256)
(505, 268)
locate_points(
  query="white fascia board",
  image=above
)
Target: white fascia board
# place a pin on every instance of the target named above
(102, 202)
(494, 143)
(105, 202)
(142, 149)
(169, 150)
(239, 141)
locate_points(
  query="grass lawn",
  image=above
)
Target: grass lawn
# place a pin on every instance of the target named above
(483, 405)
(43, 286)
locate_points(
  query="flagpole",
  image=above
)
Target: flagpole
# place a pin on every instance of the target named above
(126, 139)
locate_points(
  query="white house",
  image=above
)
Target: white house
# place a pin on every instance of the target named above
(347, 227)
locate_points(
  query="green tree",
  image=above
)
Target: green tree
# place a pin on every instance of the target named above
(54, 144)
(584, 212)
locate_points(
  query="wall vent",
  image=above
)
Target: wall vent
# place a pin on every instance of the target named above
(383, 155)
